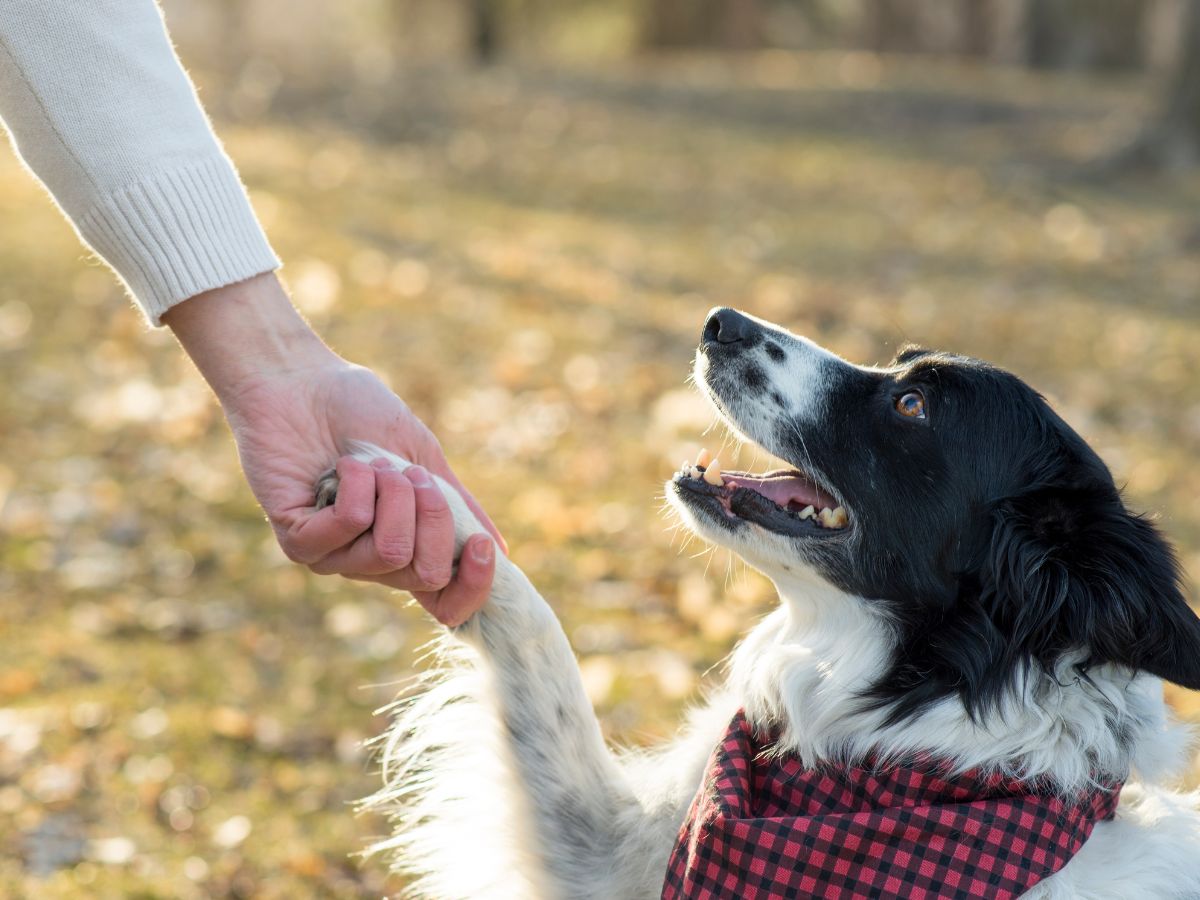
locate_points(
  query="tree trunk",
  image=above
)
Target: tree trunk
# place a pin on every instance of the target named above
(1182, 116)
(669, 23)
(728, 24)
(893, 25)
(976, 25)
(1083, 34)
(1172, 141)
(1044, 34)
(742, 27)
(484, 24)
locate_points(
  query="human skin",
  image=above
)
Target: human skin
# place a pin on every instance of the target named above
(293, 405)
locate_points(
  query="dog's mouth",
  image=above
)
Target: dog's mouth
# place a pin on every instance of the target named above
(786, 501)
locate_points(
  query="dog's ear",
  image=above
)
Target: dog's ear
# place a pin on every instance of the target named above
(1070, 568)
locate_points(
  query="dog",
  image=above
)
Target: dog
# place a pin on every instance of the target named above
(959, 580)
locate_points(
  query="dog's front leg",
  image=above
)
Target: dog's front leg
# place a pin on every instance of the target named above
(572, 792)
(577, 800)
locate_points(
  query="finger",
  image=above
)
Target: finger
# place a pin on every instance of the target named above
(395, 528)
(478, 568)
(403, 580)
(433, 553)
(484, 519)
(388, 546)
(317, 535)
(466, 594)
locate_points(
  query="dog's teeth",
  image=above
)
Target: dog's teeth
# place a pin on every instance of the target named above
(703, 458)
(712, 474)
(694, 472)
(807, 513)
(838, 518)
(825, 517)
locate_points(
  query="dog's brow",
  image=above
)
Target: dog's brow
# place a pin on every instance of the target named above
(927, 368)
(910, 353)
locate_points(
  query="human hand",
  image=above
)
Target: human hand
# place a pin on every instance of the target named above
(386, 526)
(293, 406)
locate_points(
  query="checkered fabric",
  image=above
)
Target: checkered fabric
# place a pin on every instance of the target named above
(764, 826)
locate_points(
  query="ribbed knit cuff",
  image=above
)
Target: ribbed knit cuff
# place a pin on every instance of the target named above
(179, 233)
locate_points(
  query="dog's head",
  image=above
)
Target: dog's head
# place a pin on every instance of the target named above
(978, 524)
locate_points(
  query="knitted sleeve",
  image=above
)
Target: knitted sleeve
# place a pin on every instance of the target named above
(99, 107)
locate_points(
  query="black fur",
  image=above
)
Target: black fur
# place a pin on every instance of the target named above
(993, 533)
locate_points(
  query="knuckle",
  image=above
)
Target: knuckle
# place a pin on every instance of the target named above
(392, 478)
(395, 554)
(434, 577)
(436, 515)
(358, 518)
(433, 504)
(297, 555)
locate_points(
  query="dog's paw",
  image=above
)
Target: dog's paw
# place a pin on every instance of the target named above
(465, 524)
(326, 489)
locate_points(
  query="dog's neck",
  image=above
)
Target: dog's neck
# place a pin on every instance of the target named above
(805, 668)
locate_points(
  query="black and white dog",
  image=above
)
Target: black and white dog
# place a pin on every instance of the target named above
(976, 591)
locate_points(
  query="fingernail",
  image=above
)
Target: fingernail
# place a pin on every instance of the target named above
(382, 463)
(482, 551)
(419, 477)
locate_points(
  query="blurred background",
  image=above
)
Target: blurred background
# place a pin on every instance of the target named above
(519, 212)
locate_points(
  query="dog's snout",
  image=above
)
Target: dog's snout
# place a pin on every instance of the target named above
(726, 326)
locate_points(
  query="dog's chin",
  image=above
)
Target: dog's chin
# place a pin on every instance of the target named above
(771, 552)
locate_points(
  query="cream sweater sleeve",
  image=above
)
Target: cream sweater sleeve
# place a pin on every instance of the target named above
(100, 109)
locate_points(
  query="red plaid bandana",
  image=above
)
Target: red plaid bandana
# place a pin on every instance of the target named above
(764, 827)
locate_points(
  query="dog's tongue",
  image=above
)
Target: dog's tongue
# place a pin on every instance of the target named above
(786, 489)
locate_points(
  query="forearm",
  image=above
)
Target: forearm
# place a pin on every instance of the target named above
(102, 112)
(242, 333)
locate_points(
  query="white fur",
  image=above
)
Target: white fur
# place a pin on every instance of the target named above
(501, 786)
(797, 669)
(804, 363)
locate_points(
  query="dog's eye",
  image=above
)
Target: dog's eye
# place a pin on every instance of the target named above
(911, 404)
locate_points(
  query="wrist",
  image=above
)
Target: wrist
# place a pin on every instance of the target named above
(246, 333)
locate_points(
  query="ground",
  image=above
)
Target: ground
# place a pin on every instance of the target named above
(528, 255)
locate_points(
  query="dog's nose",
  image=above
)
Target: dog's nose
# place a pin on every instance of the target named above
(726, 326)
